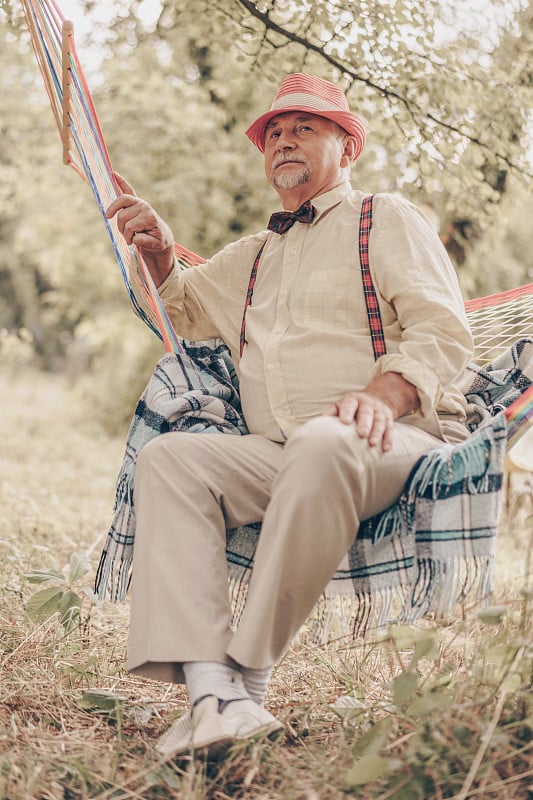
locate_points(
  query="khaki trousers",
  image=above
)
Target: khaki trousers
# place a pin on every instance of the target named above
(310, 495)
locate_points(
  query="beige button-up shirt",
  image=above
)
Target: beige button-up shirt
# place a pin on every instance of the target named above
(307, 333)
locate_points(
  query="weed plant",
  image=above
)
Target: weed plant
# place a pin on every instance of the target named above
(443, 709)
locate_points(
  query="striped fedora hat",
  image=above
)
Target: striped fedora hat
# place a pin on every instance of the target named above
(301, 92)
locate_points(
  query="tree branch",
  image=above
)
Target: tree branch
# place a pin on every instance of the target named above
(413, 109)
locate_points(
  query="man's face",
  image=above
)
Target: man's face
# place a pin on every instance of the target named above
(303, 152)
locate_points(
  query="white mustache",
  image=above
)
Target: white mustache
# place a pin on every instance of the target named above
(283, 159)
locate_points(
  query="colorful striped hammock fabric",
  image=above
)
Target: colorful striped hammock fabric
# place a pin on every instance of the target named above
(496, 320)
(84, 147)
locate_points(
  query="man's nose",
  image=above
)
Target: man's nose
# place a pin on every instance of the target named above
(285, 141)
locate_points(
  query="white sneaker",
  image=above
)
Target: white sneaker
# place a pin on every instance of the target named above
(214, 725)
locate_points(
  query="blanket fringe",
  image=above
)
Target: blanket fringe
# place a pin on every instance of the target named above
(443, 585)
(385, 524)
(440, 587)
(113, 574)
(347, 617)
(472, 464)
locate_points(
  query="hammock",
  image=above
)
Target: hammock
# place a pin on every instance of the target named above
(497, 320)
(84, 148)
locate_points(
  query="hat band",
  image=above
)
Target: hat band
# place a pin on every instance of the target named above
(304, 99)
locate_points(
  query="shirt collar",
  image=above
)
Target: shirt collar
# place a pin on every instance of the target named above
(325, 201)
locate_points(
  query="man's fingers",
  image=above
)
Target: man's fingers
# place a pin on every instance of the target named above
(124, 201)
(381, 432)
(134, 217)
(348, 406)
(123, 185)
(373, 420)
(386, 442)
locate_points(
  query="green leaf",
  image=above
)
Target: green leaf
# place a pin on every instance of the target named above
(88, 591)
(369, 768)
(425, 647)
(87, 669)
(165, 775)
(404, 686)
(376, 738)
(428, 703)
(140, 715)
(44, 603)
(79, 566)
(462, 734)
(43, 575)
(512, 682)
(69, 609)
(403, 636)
(101, 700)
(492, 615)
(348, 707)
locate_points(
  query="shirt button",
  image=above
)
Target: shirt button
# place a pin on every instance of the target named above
(270, 367)
(292, 251)
(281, 413)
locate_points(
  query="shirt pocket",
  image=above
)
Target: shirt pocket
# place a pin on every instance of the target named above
(330, 300)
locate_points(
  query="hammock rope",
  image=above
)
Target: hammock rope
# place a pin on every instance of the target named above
(497, 320)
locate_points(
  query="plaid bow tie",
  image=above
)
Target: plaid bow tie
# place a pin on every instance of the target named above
(281, 221)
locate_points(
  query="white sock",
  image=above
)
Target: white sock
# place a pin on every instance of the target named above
(256, 682)
(211, 677)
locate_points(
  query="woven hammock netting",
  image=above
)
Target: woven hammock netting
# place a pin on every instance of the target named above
(497, 321)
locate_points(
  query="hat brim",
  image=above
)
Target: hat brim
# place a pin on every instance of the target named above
(349, 122)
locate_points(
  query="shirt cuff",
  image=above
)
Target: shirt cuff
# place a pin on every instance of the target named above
(172, 287)
(423, 379)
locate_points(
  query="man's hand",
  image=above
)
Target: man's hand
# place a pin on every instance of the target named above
(142, 226)
(375, 408)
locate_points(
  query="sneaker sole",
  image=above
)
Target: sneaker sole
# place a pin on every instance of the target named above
(215, 746)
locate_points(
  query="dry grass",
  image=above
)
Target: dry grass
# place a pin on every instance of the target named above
(57, 468)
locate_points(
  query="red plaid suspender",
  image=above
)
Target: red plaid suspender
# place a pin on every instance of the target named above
(372, 306)
(371, 300)
(249, 295)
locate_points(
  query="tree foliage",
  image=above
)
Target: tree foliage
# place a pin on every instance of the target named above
(449, 118)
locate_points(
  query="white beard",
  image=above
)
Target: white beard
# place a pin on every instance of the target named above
(289, 179)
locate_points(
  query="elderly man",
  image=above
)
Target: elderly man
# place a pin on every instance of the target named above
(334, 430)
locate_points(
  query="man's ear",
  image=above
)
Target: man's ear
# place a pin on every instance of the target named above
(348, 151)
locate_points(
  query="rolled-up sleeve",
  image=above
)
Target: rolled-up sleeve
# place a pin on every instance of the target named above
(182, 302)
(414, 275)
(206, 301)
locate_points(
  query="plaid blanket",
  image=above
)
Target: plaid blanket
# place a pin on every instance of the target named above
(430, 550)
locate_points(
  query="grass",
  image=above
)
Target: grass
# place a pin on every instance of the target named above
(435, 711)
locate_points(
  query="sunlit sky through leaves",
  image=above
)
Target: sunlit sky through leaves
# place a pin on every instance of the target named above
(481, 18)
(89, 28)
